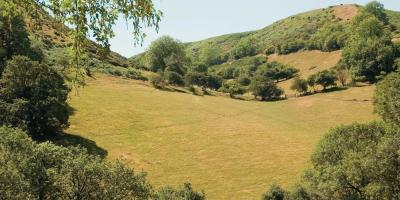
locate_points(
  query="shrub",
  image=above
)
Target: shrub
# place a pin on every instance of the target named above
(174, 78)
(275, 192)
(277, 71)
(232, 88)
(299, 85)
(157, 81)
(33, 97)
(265, 88)
(245, 47)
(325, 78)
(135, 74)
(185, 193)
(387, 98)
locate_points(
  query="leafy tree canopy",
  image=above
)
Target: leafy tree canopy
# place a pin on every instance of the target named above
(387, 98)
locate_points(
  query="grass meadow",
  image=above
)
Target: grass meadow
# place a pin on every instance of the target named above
(231, 149)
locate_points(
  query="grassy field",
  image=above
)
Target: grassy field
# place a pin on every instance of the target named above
(231, 149)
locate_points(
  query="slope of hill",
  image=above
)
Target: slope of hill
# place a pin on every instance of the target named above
(230, 148)
(300, 26)
(54, 39)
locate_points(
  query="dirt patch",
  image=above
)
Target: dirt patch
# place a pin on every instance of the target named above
(345, 12)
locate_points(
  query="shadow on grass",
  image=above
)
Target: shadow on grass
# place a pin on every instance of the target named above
(68, 140)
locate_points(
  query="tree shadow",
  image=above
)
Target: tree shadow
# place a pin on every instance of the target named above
(68, 140)
(333, 89)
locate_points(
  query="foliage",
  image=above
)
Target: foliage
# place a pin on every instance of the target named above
(369, 53)
(203, 80)
(135, 74)
(330, 37)
(299, 85)
(275, 193)
(277, 71)
(377, 9)
(157, 81)
(33, 97)
(387, 98)
(324, 78)
(232, 88)
(265, 88)
(174, 78)
(166, 52)
(359, 161)
(245, 47)
(212, 55)
(47, 171)
(185, 193)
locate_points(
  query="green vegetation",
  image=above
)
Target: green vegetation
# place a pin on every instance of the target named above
(387, 100)
(300, 86)
(370, 52)
(265, 88)
(33, 97)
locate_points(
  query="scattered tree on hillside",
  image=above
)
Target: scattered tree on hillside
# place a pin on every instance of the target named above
(166, 52)
(387, 98)
(203, 80)
(277, 71)
(211, 55)
(325, 78)
(299, 85)
(33, 97)
(233, 88)
(330, 37)
(377, 9)
(265, 88)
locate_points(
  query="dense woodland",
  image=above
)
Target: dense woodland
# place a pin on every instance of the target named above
(359, 161)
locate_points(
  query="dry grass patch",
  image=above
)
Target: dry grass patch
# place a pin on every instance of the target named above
(345, 12)
(232, 149)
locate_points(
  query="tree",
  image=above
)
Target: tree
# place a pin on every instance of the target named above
(377, 9)
(245, 47)
(90, 18)
(311, 81)
(299, 85)
(174, 78)
(370, 52)
(387, 98)
(358, 161)
(265, 88)
(277, 71)
(203, 80)
(163, 50)
(326, 78)
(211, 55)
(232, 88)
(33, 97)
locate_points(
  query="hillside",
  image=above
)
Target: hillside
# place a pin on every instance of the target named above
(301, 26)
(53, 38)
(232, 149)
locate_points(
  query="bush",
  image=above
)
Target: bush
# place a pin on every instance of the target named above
(387, 98)
(324, 78)
(277, 71)
(157, 81)
(265, 88)
(174, 78)
(245, 47)
(232, 88)
(33, 97)
(185, 193)
(275, 192)
(203, 80)
(299, 85)
(135, 74)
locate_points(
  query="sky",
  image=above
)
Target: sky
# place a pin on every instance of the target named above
(193, 20)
